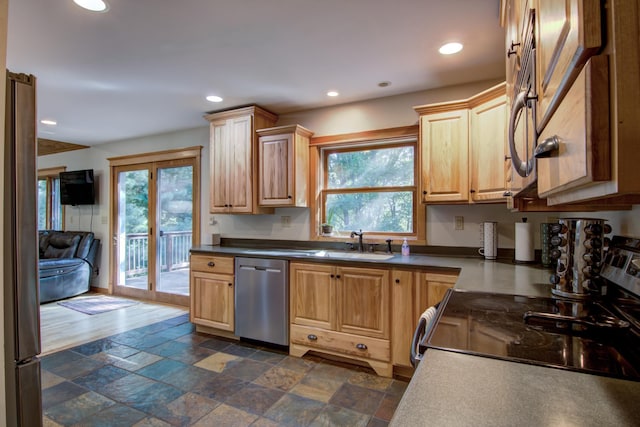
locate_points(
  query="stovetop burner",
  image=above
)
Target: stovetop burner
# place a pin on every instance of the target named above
(576, 335)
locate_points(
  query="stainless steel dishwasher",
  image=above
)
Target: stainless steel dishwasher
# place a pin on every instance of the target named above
(262, 300)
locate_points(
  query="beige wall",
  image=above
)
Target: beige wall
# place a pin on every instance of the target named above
(367, 115)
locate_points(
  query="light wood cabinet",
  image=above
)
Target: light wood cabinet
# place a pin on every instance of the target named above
(463, 145)
(593, 114)
(341, 310)
(283, 160)
(568, 32)
(487, 147)
(444, 141)
(212, 292)
(412, 293)
(233, 158)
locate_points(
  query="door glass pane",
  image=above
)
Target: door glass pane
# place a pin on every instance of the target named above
(42, 204)
(133, 227)
(175, 225)
(56, 207)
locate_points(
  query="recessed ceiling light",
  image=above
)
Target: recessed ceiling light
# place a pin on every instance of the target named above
(450, 48)
(214, 98)
(48, 122)
(332, 93)
(92, 5)
(384, 84)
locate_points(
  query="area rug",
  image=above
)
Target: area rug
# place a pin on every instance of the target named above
(97, 305)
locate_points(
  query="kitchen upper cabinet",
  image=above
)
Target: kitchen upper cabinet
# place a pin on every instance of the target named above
(487, 146)
(341, 310)
(444, 140)
(588, 149)
(463, 144)
(233, 158)
(283, 164)
(568, 32)
(212, 292)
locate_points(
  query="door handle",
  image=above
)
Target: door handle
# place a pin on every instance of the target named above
(161, 233)
(522, 168)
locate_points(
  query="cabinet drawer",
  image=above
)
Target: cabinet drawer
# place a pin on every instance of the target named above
(373, 348)
(212, 264)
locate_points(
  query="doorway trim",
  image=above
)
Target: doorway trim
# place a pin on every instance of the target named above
(135, 159)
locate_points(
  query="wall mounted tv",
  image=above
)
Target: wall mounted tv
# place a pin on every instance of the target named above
(76, 187)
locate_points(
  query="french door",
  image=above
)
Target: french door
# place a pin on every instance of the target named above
(154, 224)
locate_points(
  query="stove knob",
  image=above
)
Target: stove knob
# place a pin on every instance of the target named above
(554, 279)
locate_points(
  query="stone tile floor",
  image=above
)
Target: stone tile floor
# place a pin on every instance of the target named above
(166, 374)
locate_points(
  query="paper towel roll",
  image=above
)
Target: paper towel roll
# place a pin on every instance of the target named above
(524, 242)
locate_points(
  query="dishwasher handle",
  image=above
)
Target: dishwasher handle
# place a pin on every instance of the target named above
(259, 268)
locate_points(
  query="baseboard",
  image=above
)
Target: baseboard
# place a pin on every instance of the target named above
(99, 290)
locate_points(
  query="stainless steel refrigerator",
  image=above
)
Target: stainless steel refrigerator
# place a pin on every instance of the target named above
(21, 303)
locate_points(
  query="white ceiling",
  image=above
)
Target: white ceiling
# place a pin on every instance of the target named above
(145, 66)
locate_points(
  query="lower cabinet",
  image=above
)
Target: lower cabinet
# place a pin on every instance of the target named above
(212, 292)
(412, 293)
(343, 311)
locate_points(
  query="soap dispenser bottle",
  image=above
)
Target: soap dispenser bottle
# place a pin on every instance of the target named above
(405, 248)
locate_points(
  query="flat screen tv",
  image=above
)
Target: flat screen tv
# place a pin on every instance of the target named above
(76, 188)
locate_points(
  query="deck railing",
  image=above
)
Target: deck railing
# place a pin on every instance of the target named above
(173, 252)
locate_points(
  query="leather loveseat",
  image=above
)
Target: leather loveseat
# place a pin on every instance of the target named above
(66, 263)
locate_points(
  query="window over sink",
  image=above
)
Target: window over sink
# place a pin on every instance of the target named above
(369, 184)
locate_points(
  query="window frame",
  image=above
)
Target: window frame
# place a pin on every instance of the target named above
(321, 147)
(49, 174)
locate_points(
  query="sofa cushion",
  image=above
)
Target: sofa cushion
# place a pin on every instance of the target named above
(62, 246)
(43, 242)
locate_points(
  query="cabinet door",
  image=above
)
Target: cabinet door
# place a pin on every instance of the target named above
(568, 32)
(363, 301)
(219, 162)
(581, 125)
(445, 156)
(403, 317)
(488, 145)
(212, 301)
(312, 289)
(276, 170)
(431, 289)
(240, 171)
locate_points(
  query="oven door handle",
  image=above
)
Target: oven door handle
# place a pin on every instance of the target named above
(521, 167)
(418, 335)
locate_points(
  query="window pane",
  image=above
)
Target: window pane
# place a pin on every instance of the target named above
(42, 204)
(56, 207)
(390, 212)
(379, 167)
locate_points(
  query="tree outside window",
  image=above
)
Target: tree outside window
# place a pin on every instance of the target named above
(50, 210)
(370, 188)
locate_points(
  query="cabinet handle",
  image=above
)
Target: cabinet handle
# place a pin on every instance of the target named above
(337, 276)
(211, 264)
(289, 197)
(397, 280)
(424, 192)
(226, 206)
(361, 346)
(230, 284)
(512, 51)
(506, 194)
(312, 337)
(332, 276)
(547, 147)
(472, 191)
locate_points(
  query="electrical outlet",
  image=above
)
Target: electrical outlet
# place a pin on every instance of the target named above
(212, 220)
(459, 223)
(285, 221)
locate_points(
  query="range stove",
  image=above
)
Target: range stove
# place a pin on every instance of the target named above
(598, 335)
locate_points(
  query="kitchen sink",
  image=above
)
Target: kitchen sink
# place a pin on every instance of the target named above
(281, 252)
(353, 255)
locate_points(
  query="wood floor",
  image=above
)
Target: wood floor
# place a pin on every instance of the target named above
(62, 328)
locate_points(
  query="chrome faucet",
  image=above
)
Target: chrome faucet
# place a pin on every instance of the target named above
(360, 244)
